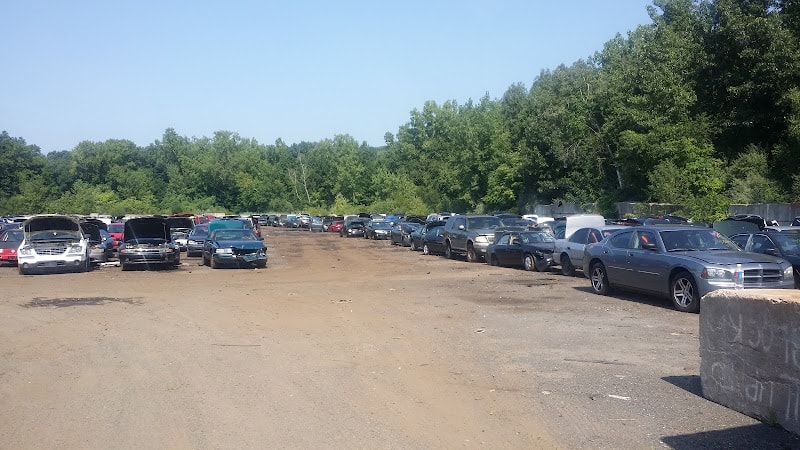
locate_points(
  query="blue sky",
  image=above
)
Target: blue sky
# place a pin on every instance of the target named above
(299, 70)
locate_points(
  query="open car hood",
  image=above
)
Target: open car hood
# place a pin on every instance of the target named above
(51, 223)
(91, 231)
(146, 228)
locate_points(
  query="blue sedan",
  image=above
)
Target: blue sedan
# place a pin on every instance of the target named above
(230, 247)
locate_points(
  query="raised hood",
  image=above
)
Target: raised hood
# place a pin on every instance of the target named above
(146, 229)
(51, 223)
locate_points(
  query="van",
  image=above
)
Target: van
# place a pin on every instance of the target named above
(563, 227)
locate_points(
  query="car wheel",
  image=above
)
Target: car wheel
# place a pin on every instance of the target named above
(413, 246)
(205, 260)
(566, 266)
(683, 291)
(471, 255)
(426, 250)
(22, 270)
(125, 267)
(529, 262)
(493, 261)
(214, 264)
(599, 279)
(448, 252)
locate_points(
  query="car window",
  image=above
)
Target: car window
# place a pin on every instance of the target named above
(622, 240)
(484, 222)
(761, 244)
(642, 238)
(596, 236)
(579, 237)
(741, 240)
(504, 239)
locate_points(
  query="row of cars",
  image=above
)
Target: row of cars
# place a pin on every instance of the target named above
(61, 243)
(674, 259)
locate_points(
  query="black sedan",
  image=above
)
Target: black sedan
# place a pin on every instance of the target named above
(785, 244)
(417, 235)
(532, 250)
(401, 233)
(196, 240)
(234, 247)
(432, 242)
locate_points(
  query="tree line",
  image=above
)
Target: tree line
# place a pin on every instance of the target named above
(700, 107)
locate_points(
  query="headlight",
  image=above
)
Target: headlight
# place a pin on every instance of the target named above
(26, 250)
(191, 241)
(481, 239)
(788, 272)
(224, 250)
(712, 273)
(75, 248)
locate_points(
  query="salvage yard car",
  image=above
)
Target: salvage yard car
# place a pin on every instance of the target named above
(531, 250)
(226, 247)
(52, 243)
(147, 242)
(681, 263)
(9, 243)
(469, 235)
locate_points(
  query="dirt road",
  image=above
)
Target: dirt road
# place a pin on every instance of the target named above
(348, 343)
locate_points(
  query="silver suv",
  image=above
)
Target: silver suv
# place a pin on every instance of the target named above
(469, 235)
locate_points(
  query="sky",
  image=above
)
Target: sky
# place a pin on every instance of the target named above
(267, 70)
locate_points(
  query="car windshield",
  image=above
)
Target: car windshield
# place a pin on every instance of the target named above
(536, 237)
(200, 230)
(696, 239)
(381, 225)
(789, 242)
(411, 227)
(515, 222)
(232, 234)
(483, 222)
(116, 228)
(13, 236)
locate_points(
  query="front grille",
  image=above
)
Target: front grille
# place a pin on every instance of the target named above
(762, 276)
(50, 247)
(246, 251)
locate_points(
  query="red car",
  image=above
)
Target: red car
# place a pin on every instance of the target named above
(9, 243)
(336, 226)
(116, 230)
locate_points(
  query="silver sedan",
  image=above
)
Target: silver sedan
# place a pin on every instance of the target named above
(681, 263)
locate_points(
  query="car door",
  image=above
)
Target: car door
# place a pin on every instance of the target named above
(501, 248)
(575, 244)
(458, 234)
(648, 263)
(615, 258)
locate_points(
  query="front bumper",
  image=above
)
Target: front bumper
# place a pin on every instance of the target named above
(240, 260)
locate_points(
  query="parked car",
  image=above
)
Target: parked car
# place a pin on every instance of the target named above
(52, 243)
(349, 222)
(10, 239)
(568, 253)
(432, 242)
(116, 230)
(335, 226)
(469, 235)
(327, 221)
(147, 242)
(196, 240)
(681, 263)
(400, 233)
(532, 250)
(355, 229)
(227, 247)
(316, 224)
(180, 226)
(563, 227)
(785, 244)
(100, 248)
(377, 229)
(417, 235)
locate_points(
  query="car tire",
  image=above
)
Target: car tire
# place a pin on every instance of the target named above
(567, 269)
(22, 270)
(205, 260)
(493, 261)
(125, 267)
(214, 264)
(448, 251)
(426, 250)
(413, 246)
(471, 255)
(683, 292)
(529, 262)
(599, 279)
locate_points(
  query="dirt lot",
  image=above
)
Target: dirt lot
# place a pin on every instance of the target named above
(348, 343)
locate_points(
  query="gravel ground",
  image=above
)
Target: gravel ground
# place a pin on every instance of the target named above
(350, 343)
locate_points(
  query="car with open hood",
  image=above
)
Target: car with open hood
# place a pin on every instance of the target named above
(180, 225)
(234, 247)
(52, 243)
(147, 242)
(100, 246)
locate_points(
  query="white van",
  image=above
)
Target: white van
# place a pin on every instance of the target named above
(563, 227)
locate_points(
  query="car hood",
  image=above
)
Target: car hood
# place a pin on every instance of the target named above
(91, 231)
(51, 223)
(146, 229)
(731, 257)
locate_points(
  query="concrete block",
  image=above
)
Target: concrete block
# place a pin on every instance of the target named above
(750, 353)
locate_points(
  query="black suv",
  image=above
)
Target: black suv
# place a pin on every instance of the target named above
(469, 235)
